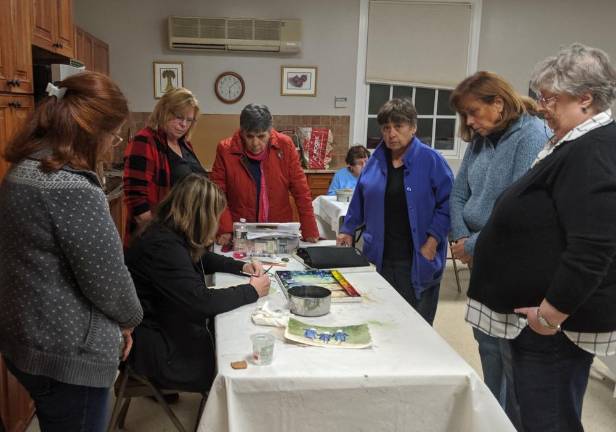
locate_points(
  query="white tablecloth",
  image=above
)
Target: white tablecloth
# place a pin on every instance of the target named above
(329, 211)
(409, 380)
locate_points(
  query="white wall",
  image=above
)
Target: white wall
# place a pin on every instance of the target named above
(515, 35)
(136, 31)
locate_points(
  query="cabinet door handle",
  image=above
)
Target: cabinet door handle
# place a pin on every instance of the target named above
(10, 83)
(17, 82)
(17, 104)
(11, 104)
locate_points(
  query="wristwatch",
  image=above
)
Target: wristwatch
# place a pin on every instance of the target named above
(545, 323)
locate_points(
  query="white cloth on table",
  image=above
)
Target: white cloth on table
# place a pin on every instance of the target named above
(270, 313)
(409, 380)
(329, 210)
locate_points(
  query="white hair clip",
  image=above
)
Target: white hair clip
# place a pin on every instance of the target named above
(58, 92)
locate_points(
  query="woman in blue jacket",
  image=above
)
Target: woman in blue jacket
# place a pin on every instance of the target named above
(402, 197)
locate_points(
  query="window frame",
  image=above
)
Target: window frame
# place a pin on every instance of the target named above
(360, 114)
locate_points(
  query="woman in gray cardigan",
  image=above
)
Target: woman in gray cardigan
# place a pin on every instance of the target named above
(504, 138)
(68, 302)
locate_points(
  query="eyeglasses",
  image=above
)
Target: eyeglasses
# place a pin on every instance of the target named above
(545, 101)
(180, 118)
(117, 140)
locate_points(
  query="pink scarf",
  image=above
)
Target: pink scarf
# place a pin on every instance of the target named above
(263, 198)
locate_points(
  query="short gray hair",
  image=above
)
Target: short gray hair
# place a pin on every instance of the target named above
(255, 118)
(576, 70)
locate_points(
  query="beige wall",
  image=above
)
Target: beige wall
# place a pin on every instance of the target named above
(516, 34)
(137, 35)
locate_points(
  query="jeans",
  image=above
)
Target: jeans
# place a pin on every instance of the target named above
(550, 377)
(62, 407)
(398, 274)
(495, 355)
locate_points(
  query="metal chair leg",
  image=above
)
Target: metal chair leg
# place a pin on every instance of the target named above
(123, 413)
(455, 269)
(200, 412)
(116, 407)
(161, 401)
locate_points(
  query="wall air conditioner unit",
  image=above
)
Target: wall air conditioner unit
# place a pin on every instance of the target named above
(235, 34)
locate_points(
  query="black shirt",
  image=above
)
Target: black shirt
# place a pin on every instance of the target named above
(182, 166)
(398, 240)
(552, 235)
(495, 137)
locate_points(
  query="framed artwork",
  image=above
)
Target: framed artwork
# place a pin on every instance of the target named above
(298, 81)
(167, 76)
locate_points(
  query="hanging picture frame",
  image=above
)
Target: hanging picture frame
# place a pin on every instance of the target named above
(167, 76)
(298, 80)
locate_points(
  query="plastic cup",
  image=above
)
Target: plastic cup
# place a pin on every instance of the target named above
(262, 348)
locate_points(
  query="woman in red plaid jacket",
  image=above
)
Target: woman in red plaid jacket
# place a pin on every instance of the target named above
(158, 156)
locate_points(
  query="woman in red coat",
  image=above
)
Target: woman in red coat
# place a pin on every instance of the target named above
(257, 168)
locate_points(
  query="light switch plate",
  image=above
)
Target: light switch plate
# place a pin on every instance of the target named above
(340, 102)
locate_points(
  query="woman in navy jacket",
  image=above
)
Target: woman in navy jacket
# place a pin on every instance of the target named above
(402, 197)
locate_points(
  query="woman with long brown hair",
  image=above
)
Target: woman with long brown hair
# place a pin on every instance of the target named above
(504, 138)
(68, 301)
(168, 262)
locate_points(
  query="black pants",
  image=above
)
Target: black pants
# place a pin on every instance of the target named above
(398, 274)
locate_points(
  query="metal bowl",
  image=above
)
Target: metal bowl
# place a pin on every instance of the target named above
(309, 300)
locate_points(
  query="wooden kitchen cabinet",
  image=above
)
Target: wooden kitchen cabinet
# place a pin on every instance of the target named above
(91, 51)
(83, 47)
(52, 26)
(319, 182)
(118, 214)
(14, 112)
(15, 50)
(100, 56)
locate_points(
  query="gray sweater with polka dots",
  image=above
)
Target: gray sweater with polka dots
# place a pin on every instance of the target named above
(64, 289)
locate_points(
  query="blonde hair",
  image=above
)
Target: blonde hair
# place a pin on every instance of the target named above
(174, 102)
(192, 209)
(486, 86)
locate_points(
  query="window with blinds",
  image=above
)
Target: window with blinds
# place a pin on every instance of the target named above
(418, 43)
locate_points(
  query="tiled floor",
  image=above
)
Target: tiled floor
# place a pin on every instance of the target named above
(599, 414)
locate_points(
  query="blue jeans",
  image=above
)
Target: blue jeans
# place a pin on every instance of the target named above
(495, 355)
(398, 274)
(550, 377)
(62, 407)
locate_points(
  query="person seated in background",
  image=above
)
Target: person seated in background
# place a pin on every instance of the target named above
(346, 178)
(402, 198)
(257, 168)
(159, 156)
(173, 345)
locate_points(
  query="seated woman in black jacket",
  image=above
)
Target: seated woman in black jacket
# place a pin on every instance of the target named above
(168, 262)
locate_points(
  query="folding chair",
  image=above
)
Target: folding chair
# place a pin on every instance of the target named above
(128, 385)
(455, 267)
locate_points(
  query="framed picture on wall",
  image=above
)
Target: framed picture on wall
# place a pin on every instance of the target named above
(298, 80)
(167, 76)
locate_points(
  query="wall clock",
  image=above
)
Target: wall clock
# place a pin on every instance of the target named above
(229, 87)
